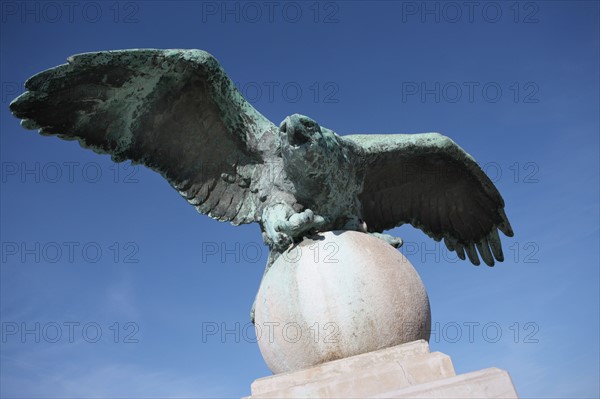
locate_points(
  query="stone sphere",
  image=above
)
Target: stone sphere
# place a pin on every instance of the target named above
(338, 294)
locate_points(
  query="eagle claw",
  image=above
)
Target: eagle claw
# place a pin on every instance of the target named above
(282, 241)
(395, 242)
(300, 223)
(285, 232)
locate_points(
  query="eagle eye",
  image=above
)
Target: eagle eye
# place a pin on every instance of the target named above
(299, 137)
(308, 123)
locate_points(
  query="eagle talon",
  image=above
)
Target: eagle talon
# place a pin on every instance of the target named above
(279, 241)
(395, 242)
(300, 223)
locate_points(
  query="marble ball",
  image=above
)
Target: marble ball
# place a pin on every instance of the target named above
(335, 295)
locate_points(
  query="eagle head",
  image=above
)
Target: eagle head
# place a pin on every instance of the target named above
(309, 153)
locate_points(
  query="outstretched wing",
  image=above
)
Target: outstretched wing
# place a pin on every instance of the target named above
(427, 180)
(174, 111)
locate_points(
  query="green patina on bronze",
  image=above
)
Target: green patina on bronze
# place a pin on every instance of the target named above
(177, 112)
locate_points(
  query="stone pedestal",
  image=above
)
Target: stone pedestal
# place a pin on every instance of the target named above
(405, 371)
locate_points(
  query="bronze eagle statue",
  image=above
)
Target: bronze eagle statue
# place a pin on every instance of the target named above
(177, 113)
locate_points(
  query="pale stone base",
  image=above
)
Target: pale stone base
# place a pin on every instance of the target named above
(404, 371)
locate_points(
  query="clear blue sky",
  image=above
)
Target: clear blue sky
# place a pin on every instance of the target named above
(518, 90)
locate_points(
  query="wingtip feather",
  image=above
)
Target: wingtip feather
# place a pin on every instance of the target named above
(460, 252)
(484, 251)
(495, 244)
(16, 106)
(505, 226)
(472, 254)
(29, 124)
